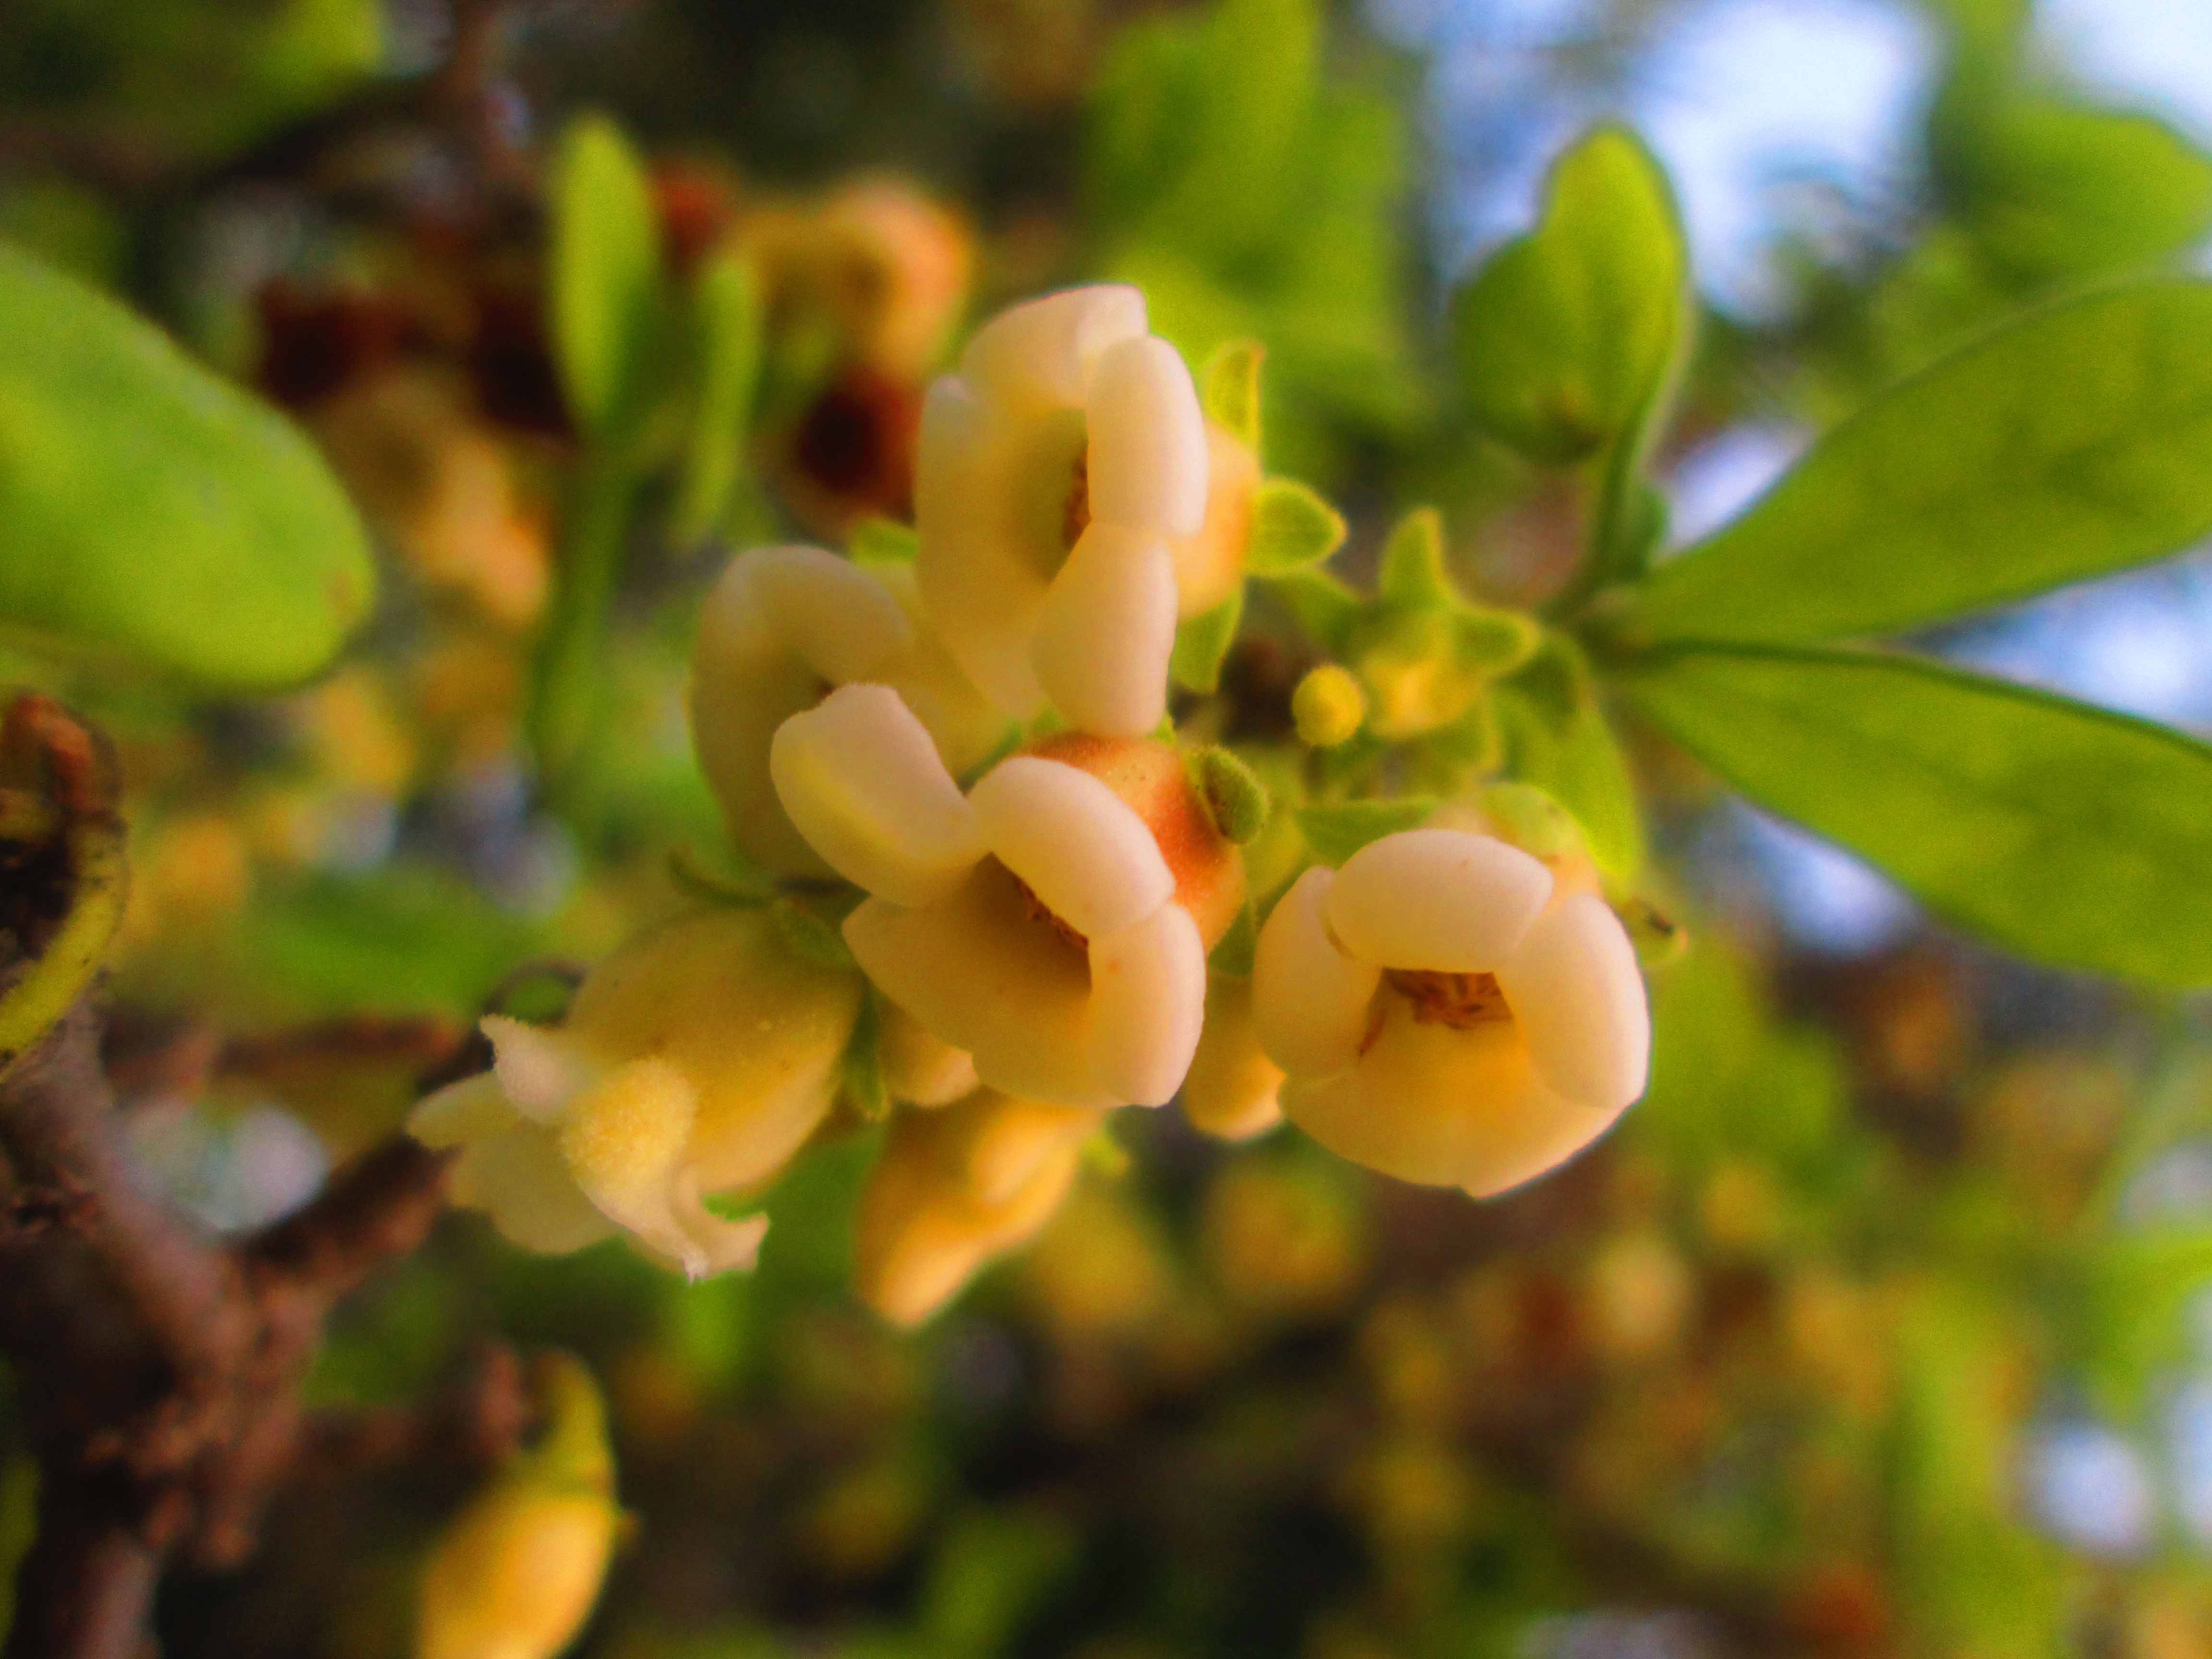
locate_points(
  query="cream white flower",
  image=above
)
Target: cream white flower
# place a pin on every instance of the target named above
(696, 1060)
(782, 626)
(1448, 1013)
(954, 1188)
(1053, 471)
(1054, 921)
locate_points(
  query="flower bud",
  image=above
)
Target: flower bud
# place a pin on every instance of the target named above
(1329, 706)
(514, 1574)
(695, 1059)
(1233, 1089)
(954, 1189)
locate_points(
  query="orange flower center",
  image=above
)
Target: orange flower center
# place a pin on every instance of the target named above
(1459, 1000)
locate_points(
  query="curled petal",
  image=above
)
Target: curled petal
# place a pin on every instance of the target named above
(625, 1142)
(1077, 845)
(836, 617)
(721, 1245)
(985, 975)
(738, 699)
(862, 781)
(1148, 448)
(470, 1109)
(1445, 1107)
(919, 1068)
(1147, 1004)
(541, 1072)
(1233, 1089)
(966, 725)
(983, 583)
(1309, 1000)
(1444, 901)
(1013, 1139)
(519, 1178)
(1106, 632)
(1043, 351)
(1577, 996)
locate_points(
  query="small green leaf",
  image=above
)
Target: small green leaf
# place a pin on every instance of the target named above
(1232, 390)
(1201, 643)
(881, 542)
(1494, 642)
(2074, 442)
(728, 330)
(1340, 829)
(860, 1068)
(1233, 957)
(606, 269)
(811, 937)
(2069, 834)
(1293, 529)
(1565, 336)
(1324, 607)
(1414, 570)
(153, 512)
(1234, 798)
(1568, 750)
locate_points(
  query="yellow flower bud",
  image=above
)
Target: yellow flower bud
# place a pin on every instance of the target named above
(695, 1059)
(955, 1187)
(514, 1574)
(1329, 706)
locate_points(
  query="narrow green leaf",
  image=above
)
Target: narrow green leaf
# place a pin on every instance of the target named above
(881, 542)
(1564, 337)
(1293, 529)
(152, 511)
(1340, 829)
(1570, 752)
(2069, 834)
(1412, 571)
(2075, 441)
(1232, 390)
(606, 268)
(728, 330)
(1203, 642)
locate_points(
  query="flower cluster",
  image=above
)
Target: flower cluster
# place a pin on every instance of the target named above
(1040, 890)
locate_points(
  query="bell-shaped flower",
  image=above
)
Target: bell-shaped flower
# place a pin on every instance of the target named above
(1054, 921)
(956, 1187)
(1448, 1013)
(1054, 470)
(781, 627)
(694, 1060)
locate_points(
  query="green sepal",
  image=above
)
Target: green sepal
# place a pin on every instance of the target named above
(1233, 955)
(1293, 529)
(1201, 645)
(750, 887)
(1493, 642)
(1231, 396)
(1533, 819)
(860, 1068)
(883, 542)
(1234, 798)
(811, 936)
(1557, 738)
(1413, 571)
(1337, 831)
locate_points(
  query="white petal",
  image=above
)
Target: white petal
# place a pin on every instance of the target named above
(861, 778)
(983, 588)
(1148, 452)
(1147, 1005)
(541, 1072)
(1076, 844)
(1577, 996)
(836, 617)
(471, 1109)
(1442, 901)
(519, 1178)
(966, 725)
(984, 976)
(1444, 1108)
(1309, 1000)
(1108, 626)
(745, 683)
(625, 1143)
(1042, 350)
(721, 1245)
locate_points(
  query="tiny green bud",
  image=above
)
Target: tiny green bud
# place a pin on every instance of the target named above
(1234, 798)
(1496, 643)
(1329, 706)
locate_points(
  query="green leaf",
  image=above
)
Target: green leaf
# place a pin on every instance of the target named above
(2066, 833)
(1201, 643)
(2074, 442)
(151, 511)
(728, 322)
(1340, 829)
(1412, 571)
(1293, 529)
(881, 542)
(1324, 606)
(606, 269)
(1232, 390)
(1565, 336)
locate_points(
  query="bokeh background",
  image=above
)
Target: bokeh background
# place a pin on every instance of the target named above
(1879, 1327)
